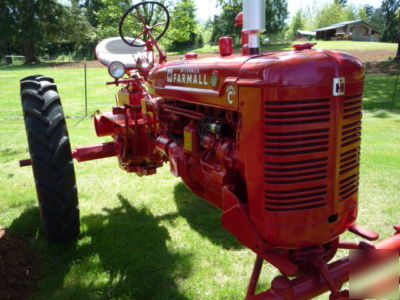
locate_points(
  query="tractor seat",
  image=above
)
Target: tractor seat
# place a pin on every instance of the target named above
(115, 49)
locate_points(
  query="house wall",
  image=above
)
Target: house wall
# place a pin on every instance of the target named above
(363, 33)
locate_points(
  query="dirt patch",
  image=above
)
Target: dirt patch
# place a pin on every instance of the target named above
(383, 68)
(372, 55)
(74, 65)
(18, 267)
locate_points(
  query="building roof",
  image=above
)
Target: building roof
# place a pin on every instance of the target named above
(305, 32)
(343, 24)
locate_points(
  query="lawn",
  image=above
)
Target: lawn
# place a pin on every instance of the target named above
(149, 237)
(71, 85)
(330, 45)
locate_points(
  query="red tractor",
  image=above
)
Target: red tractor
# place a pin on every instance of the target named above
(271, 139)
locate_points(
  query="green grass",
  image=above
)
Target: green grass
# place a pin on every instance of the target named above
(149, 237)
(70, 83)
(379, 92)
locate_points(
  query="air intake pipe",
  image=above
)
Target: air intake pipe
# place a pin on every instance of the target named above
(253, 23)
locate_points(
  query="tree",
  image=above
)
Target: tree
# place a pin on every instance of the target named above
(183, 32)
(397, 57)
(342, 3)
(24, 23)
(369, 10)
(334, 12)
(296, 24)
(363, 14)
(390, 25)
(377, 19)
(91, 8)
(109, 15)
(223, 24)
(28, 25)
(276, 12)
(77, 32)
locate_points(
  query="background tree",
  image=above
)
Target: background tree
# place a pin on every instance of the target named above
(183, 31)
(362, 14)
(223, 24)
(369, 9)
(91, 8)
(276, 12)
(390, 20)
(109, 15)
(377, 19)
(342, 3)
(77, 34)
(28, 25)
(332, 13)
(296, 23)
(25, 24)
(397, 57)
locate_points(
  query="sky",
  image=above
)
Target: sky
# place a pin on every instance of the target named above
(206, 8)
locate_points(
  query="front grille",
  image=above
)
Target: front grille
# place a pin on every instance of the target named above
(296, 145)
(350, 147)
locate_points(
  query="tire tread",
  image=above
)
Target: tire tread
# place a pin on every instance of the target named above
(50, 152)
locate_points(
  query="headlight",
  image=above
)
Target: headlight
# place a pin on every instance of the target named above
(116, 69)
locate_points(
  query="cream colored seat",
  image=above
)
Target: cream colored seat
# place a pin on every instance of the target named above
(115, 49)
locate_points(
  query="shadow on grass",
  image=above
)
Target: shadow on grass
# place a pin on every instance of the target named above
(203, 217)
(131, 247)
(381, 114)
(8, 154)
(378, 92)
(121, 254)
(27, 224)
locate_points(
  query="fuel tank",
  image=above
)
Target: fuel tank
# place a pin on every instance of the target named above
(299, 139)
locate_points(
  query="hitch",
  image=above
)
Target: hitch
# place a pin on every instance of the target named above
(25, 162)
(94, 152)
(85, 153)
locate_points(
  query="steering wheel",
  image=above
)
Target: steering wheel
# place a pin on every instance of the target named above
(148, 20)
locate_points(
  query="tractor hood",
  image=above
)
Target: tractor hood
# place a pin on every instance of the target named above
(211, 80)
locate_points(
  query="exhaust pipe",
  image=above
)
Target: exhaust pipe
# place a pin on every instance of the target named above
(253, 23)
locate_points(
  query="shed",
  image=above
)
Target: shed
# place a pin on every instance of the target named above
(357, 30)
(306, 34)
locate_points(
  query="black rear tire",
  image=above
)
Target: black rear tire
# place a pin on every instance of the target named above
(50, 153)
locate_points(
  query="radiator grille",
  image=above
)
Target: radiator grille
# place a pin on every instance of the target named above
(350, 147)
(294, 132)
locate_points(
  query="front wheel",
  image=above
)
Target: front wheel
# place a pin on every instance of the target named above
(50, 153)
